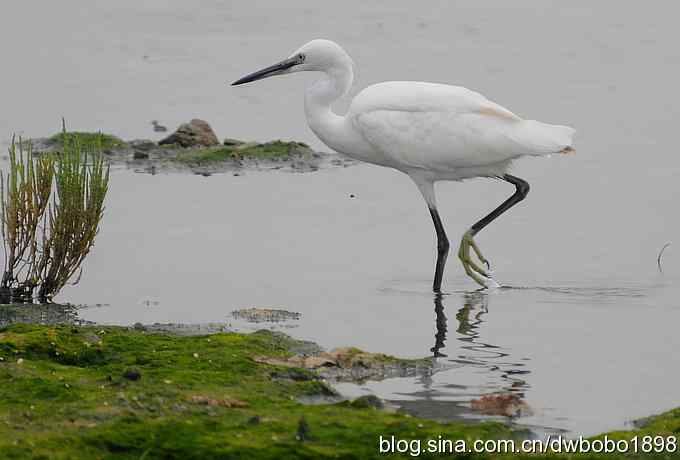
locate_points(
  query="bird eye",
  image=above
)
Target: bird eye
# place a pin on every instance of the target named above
(301, 57)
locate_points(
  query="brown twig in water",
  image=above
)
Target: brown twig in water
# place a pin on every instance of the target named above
(658, 259)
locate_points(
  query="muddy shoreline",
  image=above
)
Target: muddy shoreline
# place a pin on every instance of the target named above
(307, 360)
(93, 391)
(338, 365)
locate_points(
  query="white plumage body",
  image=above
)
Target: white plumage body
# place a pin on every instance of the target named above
(447, 132)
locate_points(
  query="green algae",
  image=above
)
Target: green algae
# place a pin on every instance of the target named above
(266, 151)
(64, 394)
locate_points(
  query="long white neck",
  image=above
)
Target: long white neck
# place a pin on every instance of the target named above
(335, 83)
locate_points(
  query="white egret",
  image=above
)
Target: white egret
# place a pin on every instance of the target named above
(429, 131)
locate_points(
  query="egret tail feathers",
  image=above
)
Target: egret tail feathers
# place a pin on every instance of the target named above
(544, 139)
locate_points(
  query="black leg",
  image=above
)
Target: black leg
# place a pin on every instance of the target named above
(442, 250)
(522, 189)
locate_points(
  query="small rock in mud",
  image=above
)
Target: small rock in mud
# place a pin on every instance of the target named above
(142, 145)
(504, 404)
(364, 402)
(352, 364)
(315, 362)
(132, 374)
(195, 133)
(262, 315)
(156, 126)
(297, 375)
(90, 338)
(225, 402)
(302, 430)
(642, 422)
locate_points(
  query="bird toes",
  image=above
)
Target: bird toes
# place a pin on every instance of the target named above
(481, 276)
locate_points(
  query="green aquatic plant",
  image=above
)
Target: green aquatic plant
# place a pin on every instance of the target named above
(103, 141)
(52, 206)
(24, 195)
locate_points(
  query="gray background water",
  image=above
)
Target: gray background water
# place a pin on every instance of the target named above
(590, 338)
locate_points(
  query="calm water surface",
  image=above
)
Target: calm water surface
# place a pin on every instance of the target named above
(588, 330)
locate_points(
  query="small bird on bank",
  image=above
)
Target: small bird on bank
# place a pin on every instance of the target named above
(429, 131)
(158, 127)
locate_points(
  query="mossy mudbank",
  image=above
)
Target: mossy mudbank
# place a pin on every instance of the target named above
(234, 155)
(104, 392)
(245, 150)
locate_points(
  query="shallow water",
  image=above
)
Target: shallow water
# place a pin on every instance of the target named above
(589, 344)
(587, 333)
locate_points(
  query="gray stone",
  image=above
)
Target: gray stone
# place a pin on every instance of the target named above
(193, 134)
(232, 142)
(142, 145)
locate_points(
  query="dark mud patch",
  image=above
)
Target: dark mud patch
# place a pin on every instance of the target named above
(265, 315)
(44, 314)
(181, 329)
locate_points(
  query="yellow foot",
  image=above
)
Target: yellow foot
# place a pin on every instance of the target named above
(474, 270)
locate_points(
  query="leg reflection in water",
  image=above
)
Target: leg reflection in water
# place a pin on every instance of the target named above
(440, 321)
(472, 377)
(473, 351)
(469, 317)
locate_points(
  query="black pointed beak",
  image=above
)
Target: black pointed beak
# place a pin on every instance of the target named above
(270, 71)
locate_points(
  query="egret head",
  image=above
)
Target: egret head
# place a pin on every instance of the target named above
(317, 55)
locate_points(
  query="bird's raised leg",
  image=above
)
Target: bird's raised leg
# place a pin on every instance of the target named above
(473, 270)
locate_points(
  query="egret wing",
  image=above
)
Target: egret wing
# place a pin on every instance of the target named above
(441, 127)
(431, 126)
